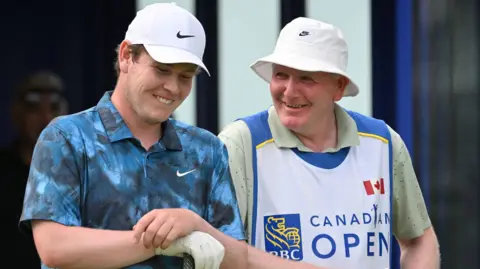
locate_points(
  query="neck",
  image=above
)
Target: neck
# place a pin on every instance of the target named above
(322, 136)
(147, 133)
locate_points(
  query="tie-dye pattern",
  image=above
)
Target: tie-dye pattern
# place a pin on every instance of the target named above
(88, 170)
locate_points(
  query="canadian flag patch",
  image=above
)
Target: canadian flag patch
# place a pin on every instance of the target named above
(374, 186)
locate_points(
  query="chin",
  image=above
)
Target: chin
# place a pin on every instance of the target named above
(160, 118)
(292, 123)
(153, 115)
(154, 119)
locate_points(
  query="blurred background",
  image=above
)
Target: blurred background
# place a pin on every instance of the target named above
(416, 63)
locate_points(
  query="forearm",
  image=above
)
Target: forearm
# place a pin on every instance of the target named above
(236, 252)
(421, 257)
(258, 259)
(422, 252)
(239, 255)
(78, 248)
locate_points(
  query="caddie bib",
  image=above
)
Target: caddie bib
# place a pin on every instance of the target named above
(327, 209)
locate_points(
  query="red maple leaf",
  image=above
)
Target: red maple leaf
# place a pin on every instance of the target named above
(377, 185)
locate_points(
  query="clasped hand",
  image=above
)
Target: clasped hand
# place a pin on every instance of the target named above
(160, 227)
(173, 232)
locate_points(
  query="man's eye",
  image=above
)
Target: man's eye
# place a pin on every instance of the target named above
(163, 70)
(307, 79)
(187, 76)
(281, 75)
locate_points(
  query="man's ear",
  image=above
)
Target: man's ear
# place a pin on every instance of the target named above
(124, 56)
(342, 83)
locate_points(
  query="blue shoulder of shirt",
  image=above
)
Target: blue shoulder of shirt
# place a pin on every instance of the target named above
(370, 125)
(87, 125)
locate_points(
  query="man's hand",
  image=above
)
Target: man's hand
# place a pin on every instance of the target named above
(160, 227)
(207, 252)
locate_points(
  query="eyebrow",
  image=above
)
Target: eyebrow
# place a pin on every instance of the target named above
(195, 69)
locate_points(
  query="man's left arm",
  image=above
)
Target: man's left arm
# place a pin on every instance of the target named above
(412, 226)
(223, 212)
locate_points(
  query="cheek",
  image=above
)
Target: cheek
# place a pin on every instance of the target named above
(317, 94)
(143, 79)
(185, 88)
(276, 89)
(312, 96)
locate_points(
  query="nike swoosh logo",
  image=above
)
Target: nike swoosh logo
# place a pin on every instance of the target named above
(184, 174)
(183, 36)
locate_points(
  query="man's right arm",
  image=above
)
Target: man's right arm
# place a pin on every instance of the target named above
(61, 246)
(256, 259)
(52, 210)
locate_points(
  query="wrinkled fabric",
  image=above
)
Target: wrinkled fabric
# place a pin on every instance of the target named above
(88, 170)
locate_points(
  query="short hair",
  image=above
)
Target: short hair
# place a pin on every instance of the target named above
(135, 49)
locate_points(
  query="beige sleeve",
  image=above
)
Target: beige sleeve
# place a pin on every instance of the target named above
(238, 140)
(410, 214)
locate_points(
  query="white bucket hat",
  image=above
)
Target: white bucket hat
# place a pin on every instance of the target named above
(308, 45)
(169, 33)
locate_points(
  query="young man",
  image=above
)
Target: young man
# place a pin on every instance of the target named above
(320, 184)
(121, 185)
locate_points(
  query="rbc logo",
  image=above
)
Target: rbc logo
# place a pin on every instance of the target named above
(283, 236)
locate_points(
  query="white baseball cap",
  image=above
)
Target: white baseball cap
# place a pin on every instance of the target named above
(169, 33)
(308, 45)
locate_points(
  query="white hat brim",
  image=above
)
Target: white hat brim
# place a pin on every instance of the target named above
(263, 67)
(171, 55)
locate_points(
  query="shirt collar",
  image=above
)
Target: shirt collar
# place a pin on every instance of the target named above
(117, 129)
(284, 138)
(170, 137)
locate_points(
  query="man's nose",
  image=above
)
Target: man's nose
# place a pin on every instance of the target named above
(291, 88)
(171, 84)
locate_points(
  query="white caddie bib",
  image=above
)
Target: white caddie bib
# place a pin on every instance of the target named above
(327, 209)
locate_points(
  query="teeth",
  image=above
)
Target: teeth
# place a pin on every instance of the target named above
(163, 100)
(295, 106)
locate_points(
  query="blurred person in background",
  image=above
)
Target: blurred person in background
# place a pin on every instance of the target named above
(37, 100)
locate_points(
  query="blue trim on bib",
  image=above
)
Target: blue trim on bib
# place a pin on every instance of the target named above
(326, 160)
(369, 125)
(260, 131)
(378, 128)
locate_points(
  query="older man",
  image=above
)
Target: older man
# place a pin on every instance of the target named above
(316, 182)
